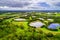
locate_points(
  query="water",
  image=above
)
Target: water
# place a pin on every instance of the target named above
(54, 26)
(20, 19)
(36, 24)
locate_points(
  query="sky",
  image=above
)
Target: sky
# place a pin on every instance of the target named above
(29, 4)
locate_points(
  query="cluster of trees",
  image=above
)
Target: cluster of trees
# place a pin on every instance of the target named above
(10, 33)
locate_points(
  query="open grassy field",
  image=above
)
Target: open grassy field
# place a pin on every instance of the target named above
(15, 26)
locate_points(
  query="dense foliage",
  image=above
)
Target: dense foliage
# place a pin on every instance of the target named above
(20, 30)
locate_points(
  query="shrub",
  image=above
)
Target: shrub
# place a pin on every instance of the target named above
(49, 34)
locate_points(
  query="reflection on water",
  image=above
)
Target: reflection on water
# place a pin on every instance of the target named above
(36, 24)
(54, 26)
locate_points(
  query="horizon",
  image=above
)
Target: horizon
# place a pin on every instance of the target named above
(29, 10)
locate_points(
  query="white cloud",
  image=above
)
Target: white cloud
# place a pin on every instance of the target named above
(4, 7)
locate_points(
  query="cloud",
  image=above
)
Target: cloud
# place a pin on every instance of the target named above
(4, 7)
(43, 4)
(57, 4)
(29, 4)
(14, 3)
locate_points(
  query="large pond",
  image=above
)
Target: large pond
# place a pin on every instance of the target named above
(36, 24)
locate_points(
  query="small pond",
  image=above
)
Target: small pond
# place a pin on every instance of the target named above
(20, 19)
(40, 18)
(54, 26)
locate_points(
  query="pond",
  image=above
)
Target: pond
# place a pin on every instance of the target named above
(20, 19)
(40, 18)
(36, 24)
(51, 20)
(54, 26)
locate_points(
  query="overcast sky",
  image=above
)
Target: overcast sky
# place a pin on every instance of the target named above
(29, 4)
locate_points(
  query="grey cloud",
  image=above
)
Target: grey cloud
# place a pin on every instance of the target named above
(57, 4)
(43, 4)
(25, 3)
(13, 3)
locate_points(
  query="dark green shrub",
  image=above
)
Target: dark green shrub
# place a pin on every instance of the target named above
(49, 34)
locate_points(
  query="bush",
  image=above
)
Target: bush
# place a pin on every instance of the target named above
(49, 34)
